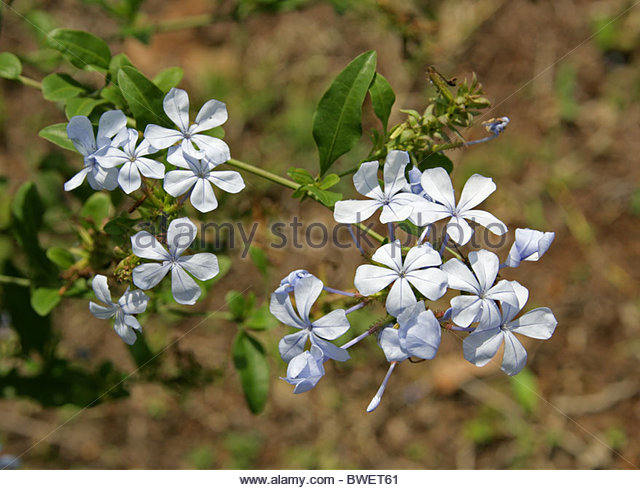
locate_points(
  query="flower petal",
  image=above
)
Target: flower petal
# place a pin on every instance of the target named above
(180, 235)
(459, 230)
(292, 345)
(485, 264)
(365, 180)
(150, 168)
(537, 324)
(110, 124)
(476, 190)
(354, 211)
(431, 282)
(504, 292)
(76, 180)
(184, 289)
(129, 178)
(146, 276)
(176, 106)
(161, 138)
(422, 338)
(133, 302)
(394, 165)
(145, 245)
(330, 350)
(390, 255)
(125, 332)
(480, 347)
(177, 182)
(426, 212)
(371, 278)
(306, 292)
(203, 197)
(389, 341)
(212, 114)
(101, 289)
(488, 220)
(332, 325)
(214, 148)
(466, 310)
(395, 211)
(437, 184)
(227, 180)
(460, 276)
(282, 308)
(80, 132)
(102, 312)
(420, 257)
(515, 355)
(203, 266)
(400, 296)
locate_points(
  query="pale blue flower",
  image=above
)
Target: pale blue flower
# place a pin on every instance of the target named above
(132, 159)
(287, 285)
(529, 245)
(305, 370)
(80, 132)
(437, 184)
(480, 305)
(130, 303)
(212, 114)
(396, 204)
(181, 233)
(481, 345)
(319, 332)
(419, 269)
(199, 180)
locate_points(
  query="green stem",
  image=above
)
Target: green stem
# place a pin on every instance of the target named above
(30, 82)
(265, 174)
(447, 146)
(350, 171)
(18, 281)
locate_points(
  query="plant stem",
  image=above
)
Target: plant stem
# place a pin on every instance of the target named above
(30, 82)
(18, 281)
(265, 174)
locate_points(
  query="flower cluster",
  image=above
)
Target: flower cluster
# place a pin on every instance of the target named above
(114, 157)
(409, 278)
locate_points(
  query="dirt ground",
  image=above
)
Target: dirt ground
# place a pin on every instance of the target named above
(567, 163)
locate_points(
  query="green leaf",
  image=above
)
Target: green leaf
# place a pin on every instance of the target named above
(27, 207)
(261, 319)
(10, 66)
(97, 209)
(60, 86)
(169, 78)
(382, 99)
(251, 362)
(83, 49)
(113, 94)
(337, 122)
(300, 175)
(236, 304)
(259, 259)
(61, 257)
(117, 62)
(57, 134)
(81, 106)
(119, 226)
(43, 300)
(436, 160)
(329, 181)
(409, 228)
(143, 97)
(327, 198)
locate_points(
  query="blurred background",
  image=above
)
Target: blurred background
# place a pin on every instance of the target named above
(567, 74)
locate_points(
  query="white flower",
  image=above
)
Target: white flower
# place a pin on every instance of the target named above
(132, 160)
(212, 114)
(80, 132)
(437, 184)
(180, 235)
(199, 177)
(130, 303)
(396, 205)
(305, 370)
(480, 305)
(480, 346)
(418, 270)
(319, 332)
(529, 245)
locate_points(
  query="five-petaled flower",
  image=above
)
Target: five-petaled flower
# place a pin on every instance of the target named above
(481, 345)
(437, 184)
(212, 114)
(419, 269)
(130, 303)
(132, 159)
(180, 235)
(199, 178)
(480, 305)
(396, 204)
(319, 332)
(80, 132)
